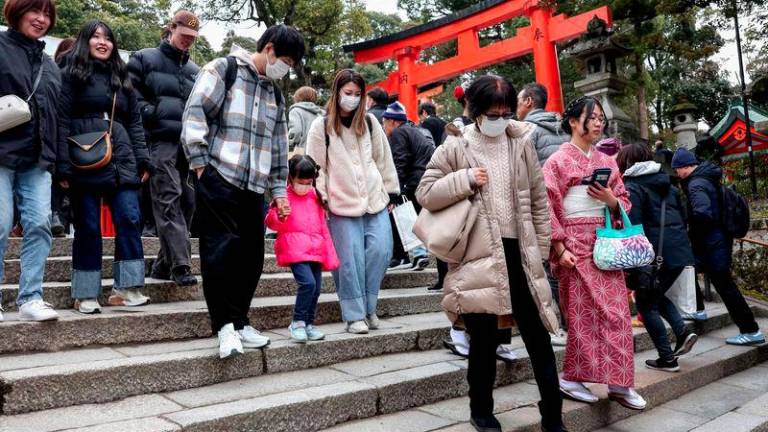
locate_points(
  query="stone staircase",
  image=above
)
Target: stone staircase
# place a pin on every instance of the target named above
(156, 368)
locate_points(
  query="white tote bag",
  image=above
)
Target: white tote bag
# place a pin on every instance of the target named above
(405, 217)
(683, 292)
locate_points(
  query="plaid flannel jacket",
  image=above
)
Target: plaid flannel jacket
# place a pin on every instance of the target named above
(241, 133)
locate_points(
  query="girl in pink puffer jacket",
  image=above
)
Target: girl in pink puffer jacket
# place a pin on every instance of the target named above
(304, 244)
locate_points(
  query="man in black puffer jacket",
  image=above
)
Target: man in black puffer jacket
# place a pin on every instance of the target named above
(411, 152)
(164, 78)
(712, 246)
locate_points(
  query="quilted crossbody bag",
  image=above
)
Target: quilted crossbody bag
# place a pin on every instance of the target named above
(92, 150)
(622, 249)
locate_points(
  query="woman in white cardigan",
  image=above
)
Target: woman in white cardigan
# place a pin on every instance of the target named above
(357, 178)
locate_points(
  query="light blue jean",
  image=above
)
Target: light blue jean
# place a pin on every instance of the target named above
(32, 189)
(364, 247)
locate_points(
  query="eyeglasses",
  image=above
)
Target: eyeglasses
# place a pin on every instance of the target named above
(505, 116)
(600, 119)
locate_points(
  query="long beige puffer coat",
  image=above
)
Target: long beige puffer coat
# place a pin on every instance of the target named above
(480, 283)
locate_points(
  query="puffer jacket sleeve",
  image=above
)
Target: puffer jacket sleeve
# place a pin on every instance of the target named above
(382, 156)
(699, 193)
(443, 183)
(539, 202)
(136, 72)
(296, 130)
(401, 154)
(136, 132)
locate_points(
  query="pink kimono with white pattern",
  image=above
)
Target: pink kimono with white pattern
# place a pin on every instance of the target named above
(600, 345)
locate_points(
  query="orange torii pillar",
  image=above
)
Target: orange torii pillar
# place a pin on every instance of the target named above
(540, 38)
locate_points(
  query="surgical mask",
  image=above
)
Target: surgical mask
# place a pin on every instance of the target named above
(349, 103)
(277, 70)
(493, 128)
(301, 189)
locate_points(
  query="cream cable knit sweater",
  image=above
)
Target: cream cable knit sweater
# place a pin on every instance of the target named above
(494, 155)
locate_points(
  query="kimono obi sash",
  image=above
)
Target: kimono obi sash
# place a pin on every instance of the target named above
(578, 204)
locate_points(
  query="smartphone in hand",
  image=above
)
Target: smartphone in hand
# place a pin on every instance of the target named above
(599, 176)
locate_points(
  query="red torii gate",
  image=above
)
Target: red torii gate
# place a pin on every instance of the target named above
(540, 38)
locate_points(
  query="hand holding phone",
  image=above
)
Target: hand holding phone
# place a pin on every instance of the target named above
(599, 176)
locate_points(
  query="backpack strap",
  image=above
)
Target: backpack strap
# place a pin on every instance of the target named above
(370, 125)
(231, 75)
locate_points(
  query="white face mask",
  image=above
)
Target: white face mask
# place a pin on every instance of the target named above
(277, 70)
(493, 128)
(349, 103)
(301, 189)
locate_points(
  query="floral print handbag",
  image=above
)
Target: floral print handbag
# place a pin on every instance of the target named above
(622, 249)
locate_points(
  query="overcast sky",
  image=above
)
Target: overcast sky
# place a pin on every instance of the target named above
(215, 32)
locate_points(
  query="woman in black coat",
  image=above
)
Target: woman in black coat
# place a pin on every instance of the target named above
(648, 188)
(93, 75)
(28, 150)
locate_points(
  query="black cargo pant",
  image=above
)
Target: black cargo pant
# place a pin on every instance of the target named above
(483, 340)
(231, 248)
(173, 204)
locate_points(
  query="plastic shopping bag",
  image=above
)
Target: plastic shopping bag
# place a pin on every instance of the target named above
(683, 292)
(405, 218)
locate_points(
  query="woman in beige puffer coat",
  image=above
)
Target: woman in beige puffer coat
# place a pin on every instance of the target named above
(501, 276)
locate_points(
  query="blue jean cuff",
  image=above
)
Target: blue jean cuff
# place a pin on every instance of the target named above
(129, 274)
(23, 300)
(86, 284)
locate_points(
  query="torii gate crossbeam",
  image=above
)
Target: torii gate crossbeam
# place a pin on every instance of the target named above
(539, 38)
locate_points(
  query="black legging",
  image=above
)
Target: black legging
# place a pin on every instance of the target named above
(483, 340)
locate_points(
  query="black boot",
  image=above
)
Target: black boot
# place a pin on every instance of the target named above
(487, 423)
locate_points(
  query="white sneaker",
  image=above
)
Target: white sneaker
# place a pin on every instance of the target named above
(1, 314)
(37, 310)
(577, 391)
(229, 342)
(505, 354)
(128, 297)
(251, 338)
(559, 339)
(626, 397)
(373, 321)
(88, 306)
(460, 342)
(357, 327)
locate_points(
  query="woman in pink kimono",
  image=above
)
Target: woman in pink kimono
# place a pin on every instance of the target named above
(600, 345)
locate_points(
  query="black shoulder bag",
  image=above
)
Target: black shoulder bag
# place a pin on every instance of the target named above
(93, 150)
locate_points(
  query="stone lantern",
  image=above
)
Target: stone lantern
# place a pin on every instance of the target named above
(685, 124)
(599, 52)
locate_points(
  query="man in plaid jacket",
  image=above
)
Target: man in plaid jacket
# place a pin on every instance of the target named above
(235, 137)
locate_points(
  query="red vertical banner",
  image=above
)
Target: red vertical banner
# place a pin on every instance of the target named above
(107, 227)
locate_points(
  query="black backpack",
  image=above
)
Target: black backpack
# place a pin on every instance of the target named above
(734, 212)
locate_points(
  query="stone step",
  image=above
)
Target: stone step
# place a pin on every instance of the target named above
(34, 382)
(516, 409)
(309, 400)
(63, 246)
(737, 403)
(160, 291)
(181, 320)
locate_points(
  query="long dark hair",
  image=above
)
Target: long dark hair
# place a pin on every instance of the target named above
(79, 61)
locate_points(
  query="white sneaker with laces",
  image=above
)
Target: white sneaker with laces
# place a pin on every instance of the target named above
(37, 310)
(229, 342)
(577, 391)
(373, 321)
(128, 297)
(88, 306)
(252, 338)
(460, 341)
(504, 353)
(626, 397)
